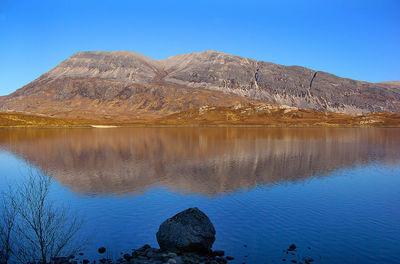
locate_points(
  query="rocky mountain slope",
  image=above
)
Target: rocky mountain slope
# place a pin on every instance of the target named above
(127, 85)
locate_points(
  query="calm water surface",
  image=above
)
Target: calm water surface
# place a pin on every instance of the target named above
(333, 190)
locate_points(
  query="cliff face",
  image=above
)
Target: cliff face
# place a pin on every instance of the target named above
(289, 85)
(129, 84)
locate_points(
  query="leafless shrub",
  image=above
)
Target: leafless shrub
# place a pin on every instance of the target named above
(41, 228)
(8, 215)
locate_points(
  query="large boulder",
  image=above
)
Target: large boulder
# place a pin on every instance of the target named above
(188, 231)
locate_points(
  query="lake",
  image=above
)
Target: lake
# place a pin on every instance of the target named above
(334, 192)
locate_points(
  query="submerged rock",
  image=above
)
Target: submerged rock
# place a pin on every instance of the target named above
(188, 231)
(101, 250)
(308, 260)
(292, 247)
(218, 253)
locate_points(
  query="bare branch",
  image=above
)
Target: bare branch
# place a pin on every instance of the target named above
(40, 228)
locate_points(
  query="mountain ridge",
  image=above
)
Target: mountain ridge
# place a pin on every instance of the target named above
(132, 85)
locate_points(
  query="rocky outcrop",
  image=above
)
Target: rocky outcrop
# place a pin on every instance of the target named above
(188, 231)
(129, 84)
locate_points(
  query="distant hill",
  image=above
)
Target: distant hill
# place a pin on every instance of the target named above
(124, 86)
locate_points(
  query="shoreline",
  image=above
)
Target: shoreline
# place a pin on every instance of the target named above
(149, 255)
(250, 116)
(189, 126)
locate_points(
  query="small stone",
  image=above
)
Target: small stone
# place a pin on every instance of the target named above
(218, 253)
(80, 253)
(101, 250)
(222, 260)
(294, 261)
(171, 255)
(171, 261)
(150, 253)
(127, 256)
(292, 247)
(245, 245)
(308, 260)
(85, 261)
(146, 246)
(229, 258)
(283, 259)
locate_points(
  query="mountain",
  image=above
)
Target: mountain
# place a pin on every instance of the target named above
(126, 85)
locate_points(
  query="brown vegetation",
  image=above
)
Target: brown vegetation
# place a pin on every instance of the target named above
(252, 114)
(273, 115)
(26, 120)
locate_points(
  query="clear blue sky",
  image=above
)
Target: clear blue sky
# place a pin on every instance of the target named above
(354, 39)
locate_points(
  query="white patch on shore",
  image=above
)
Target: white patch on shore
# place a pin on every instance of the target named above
(101, 126)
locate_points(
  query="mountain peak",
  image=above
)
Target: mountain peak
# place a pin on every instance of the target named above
(129, 83)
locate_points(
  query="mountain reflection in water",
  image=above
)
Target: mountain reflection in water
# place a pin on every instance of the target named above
(207, 161)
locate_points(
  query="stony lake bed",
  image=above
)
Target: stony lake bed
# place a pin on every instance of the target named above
(333, 192)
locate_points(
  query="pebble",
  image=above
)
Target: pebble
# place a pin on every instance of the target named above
(171, 261)
(292, 247)
(218, 253)
(308, 260)
(171, 255)
(222, 260)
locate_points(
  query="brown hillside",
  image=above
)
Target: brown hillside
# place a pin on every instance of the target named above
(274, 115)
(251, 114)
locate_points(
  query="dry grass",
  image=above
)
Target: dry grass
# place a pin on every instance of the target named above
(238, 115)
(264, 115)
